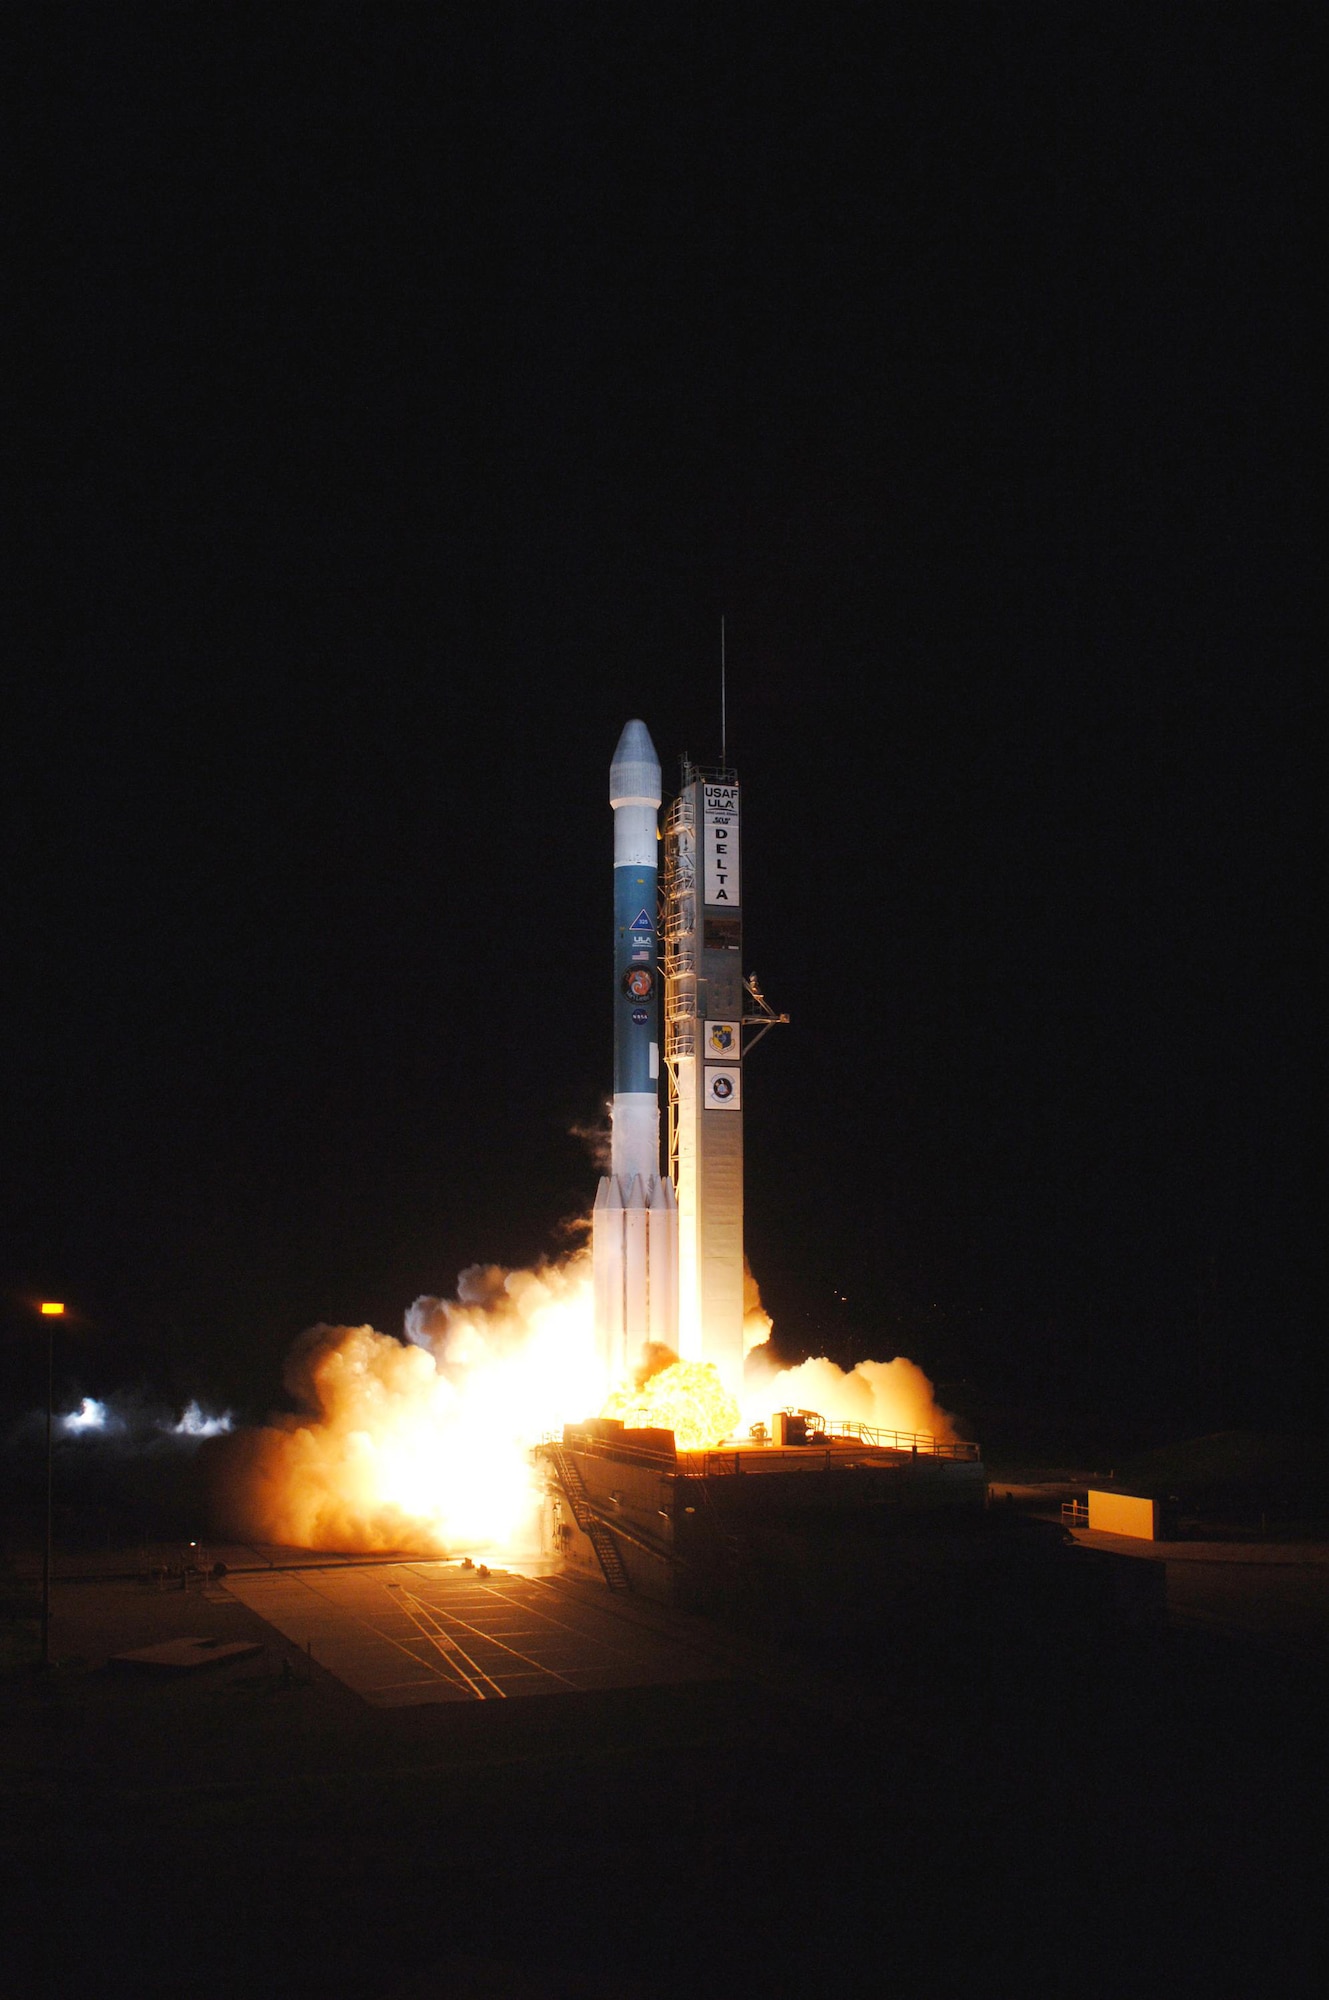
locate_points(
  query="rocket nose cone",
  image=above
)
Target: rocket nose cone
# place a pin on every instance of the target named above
(634, 775)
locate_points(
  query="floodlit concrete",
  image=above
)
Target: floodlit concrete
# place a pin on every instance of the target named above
(405, 1633)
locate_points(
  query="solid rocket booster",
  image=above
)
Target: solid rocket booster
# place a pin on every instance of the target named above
(635, 1224)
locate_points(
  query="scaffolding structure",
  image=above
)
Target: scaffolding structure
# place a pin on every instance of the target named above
(713, 1014)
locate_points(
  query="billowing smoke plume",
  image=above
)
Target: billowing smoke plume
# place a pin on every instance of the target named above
(423, 1445)
(889, 1395)
(757, 1322)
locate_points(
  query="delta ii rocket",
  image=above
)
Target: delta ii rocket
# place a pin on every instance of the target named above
(667, 1247)
(634, 1229)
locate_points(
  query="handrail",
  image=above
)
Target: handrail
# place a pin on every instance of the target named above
(719, 1462)
(923, 1442)
(607, 1448)
(637, 1536)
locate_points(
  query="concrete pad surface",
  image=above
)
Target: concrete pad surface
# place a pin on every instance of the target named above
(404, 1633)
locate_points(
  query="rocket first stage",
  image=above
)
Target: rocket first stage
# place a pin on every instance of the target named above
(635, 1223)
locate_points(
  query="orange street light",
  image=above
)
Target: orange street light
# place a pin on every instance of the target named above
(51, 1310)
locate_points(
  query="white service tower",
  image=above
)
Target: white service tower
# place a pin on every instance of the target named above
(704, 1010)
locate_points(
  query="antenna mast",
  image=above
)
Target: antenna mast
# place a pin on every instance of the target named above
(724, 718)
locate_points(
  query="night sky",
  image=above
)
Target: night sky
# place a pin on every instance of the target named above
(409, 392)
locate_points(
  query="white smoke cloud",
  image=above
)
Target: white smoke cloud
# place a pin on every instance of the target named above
(91, 1415)
(127, 1421)
(424, 1444)
(194, 1422)
(889, 1395)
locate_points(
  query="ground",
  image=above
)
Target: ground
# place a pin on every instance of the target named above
(1076, 1806)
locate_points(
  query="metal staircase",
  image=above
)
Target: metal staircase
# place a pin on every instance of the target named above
(601, 1538)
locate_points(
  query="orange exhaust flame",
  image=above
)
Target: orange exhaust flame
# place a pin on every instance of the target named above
(687, 1398)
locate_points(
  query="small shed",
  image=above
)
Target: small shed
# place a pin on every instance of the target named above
(1114, 1513)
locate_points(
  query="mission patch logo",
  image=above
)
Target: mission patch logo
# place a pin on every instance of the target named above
(722, 1091)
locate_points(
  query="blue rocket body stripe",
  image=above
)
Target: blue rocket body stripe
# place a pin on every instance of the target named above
(636, 1015)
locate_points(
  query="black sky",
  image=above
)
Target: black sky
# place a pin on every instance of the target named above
(410, 391)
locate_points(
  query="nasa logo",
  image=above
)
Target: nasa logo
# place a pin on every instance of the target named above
(640, 1016)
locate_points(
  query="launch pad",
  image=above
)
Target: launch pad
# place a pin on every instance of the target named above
(627, 1506)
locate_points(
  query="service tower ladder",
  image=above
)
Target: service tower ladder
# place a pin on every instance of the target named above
(601, 1538)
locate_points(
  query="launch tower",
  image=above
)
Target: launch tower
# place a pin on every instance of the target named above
(623, 1502)
(708, 1002)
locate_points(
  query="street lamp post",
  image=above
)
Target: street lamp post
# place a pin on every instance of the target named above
(51, 1312)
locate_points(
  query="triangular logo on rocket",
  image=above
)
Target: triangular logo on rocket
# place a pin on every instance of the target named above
(641, 923)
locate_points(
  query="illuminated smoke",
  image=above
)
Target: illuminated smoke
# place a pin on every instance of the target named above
(195, 1423)
(130, 1423)
(757, 1322)
(90, 1415)
(424, 1445)
(889, 1395)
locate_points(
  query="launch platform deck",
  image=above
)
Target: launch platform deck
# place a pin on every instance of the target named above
(836, 1454)
(401, 1634)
